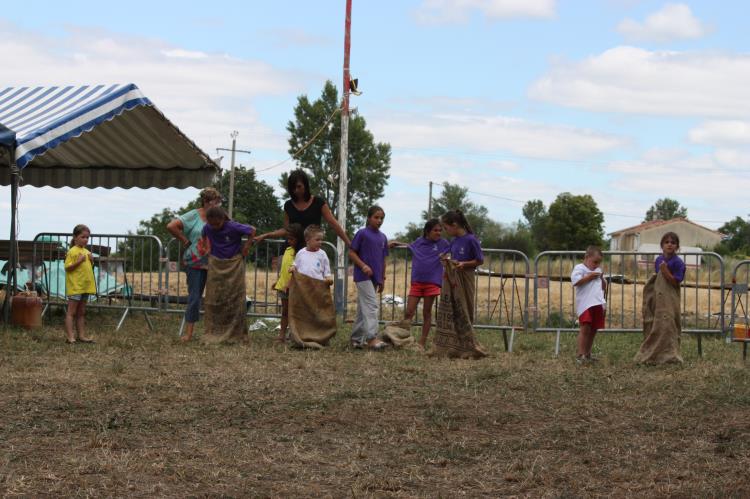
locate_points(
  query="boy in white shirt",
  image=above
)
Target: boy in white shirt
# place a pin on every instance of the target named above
(311, 260)
(590, 287)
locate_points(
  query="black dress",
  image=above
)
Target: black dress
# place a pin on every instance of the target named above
(313, 215)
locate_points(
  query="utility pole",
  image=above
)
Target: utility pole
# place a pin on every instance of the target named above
(429, 203)
(343, 169)
(234, 135)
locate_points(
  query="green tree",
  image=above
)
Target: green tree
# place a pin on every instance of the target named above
(536, 221)
(455, 197)
(254, 200)
(573, 223)
(665, 209)
(369, 162)
(254, 204)
(737, 241)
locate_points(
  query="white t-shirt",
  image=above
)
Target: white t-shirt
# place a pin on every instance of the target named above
(313, 264)
(590, 294)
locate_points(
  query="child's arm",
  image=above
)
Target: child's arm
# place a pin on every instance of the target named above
(382, 284)
(354, 257)
(400, 244)
(248, 244)
(469, 264)
(664, 269)
(74, 265)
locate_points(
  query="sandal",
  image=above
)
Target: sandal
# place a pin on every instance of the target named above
(378, 346)
(86, 340)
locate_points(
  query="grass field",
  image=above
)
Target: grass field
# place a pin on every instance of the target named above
(138, 414)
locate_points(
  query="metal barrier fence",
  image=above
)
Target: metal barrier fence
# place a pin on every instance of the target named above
(261, 275)
(137, 273)
(739, 324)
(502, 291)
(127, 271)
(702, 299)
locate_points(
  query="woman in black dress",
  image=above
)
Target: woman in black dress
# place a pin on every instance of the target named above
(305, 209)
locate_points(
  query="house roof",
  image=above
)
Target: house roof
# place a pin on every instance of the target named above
(637, 229)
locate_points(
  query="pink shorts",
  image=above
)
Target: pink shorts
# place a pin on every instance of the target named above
(422, 289)
(594, 316)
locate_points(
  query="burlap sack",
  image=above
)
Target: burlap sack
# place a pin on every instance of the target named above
(661, 323)
(399, 335)
(312, 316)
(225, 300)
(455, 334)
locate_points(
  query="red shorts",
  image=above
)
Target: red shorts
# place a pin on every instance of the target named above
(424, 289)
(594, 316)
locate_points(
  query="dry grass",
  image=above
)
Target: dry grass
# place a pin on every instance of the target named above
(140, 415)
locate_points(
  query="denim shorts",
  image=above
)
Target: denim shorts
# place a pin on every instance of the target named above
(81, 297)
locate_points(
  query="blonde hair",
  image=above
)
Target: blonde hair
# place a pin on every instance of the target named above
(311, 230)
(207, 195)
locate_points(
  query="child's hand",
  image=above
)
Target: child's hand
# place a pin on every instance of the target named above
(292, 269)
(379, 288)
(329, 280)
(663, 266)
(81, 258)
(367, 270)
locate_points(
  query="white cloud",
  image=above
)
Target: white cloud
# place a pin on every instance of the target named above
(674, 21)
(459, 11)
(478, 134)
(633, 80)
(207, 95)
(726, 132)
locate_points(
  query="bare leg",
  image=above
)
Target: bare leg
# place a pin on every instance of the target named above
(590, 342)
(284, 321)
(426, 319)
(70, 315)
(188, 335)
(411, 307)
(80, 316)
(583, 339)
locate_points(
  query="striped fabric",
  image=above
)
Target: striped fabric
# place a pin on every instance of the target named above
(98, 136)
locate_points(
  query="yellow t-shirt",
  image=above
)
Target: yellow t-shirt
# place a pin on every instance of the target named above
(284, 276)
(80, 280)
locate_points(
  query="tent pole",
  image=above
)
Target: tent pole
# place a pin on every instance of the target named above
(10, 284)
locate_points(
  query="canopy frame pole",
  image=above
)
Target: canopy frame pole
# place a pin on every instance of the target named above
(11, 281)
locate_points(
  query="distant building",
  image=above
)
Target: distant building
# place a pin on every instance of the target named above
(645, 238)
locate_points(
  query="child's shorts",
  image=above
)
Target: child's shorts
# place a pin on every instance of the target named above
(81, 297)
(424, 289)
(594, 316)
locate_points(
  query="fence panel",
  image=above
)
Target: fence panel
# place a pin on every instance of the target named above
(738, 326)
(127, 270)
(702, 300)
(501, 299)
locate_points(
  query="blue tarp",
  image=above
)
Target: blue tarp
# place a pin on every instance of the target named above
(52, 280)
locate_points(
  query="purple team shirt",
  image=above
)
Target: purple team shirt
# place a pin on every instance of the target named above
(425, 260)
(371, 246)
(465, 248)
(227, 241)
(675, 265)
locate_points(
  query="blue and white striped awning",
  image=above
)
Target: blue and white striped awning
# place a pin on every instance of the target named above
(97, 136)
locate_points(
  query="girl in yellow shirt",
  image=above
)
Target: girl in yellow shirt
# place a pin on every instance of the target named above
(295, 241)
(79, 283)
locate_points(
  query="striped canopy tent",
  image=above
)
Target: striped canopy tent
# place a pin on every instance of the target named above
(93, 136)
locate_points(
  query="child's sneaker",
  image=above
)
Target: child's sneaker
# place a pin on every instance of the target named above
(581, 360)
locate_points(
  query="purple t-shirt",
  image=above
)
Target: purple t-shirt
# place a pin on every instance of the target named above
(371, 246)
(227, 241)
(425, 260)
(675, 265)
(465, 248)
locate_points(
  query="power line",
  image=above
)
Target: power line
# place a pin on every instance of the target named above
(603, 213)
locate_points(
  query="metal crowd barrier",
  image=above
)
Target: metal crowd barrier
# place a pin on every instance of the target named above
(739, 324)
(702, 300)
(501, 296)
(127, 270)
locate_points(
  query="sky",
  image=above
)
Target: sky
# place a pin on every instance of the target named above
(626, 100)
